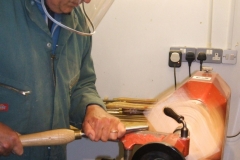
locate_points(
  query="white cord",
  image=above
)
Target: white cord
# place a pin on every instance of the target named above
(66, 27)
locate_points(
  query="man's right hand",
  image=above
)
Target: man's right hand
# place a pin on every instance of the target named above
(9, 141)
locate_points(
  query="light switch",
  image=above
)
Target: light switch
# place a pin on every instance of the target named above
(229, 56)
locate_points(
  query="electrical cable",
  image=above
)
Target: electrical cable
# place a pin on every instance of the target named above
(201, 57)
(190, 57)
(175, 79)
(189, 70)
(175, 58)
(234, 135)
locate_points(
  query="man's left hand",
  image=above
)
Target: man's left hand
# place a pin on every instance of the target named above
(100, 125)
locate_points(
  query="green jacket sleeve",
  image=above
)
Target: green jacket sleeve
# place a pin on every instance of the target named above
(84, 93)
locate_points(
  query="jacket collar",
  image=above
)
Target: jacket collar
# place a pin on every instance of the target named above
(34, 14)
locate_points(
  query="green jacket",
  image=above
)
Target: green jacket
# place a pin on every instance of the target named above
(39, 92)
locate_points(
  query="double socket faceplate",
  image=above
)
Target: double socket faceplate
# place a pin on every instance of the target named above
(184, 50)
(214, 55)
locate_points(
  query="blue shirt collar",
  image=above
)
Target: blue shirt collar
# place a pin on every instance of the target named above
(55, 30)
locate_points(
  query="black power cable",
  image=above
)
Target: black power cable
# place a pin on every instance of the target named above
(175, 59)
(190, 57)
(201, 57)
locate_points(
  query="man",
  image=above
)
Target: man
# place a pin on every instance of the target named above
(47, 79)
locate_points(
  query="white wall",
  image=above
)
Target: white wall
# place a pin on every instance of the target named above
(131, 48)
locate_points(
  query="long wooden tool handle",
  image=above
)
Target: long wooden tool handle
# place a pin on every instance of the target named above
(48, 138)
(61, 136)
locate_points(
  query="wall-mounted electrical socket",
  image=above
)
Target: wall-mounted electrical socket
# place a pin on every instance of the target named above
(184, 50)
(214, 55)
(229, 56)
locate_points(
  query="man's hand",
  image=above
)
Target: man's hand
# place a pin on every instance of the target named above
(100, 125)
(9, 141)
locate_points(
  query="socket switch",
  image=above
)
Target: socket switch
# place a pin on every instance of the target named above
(229, 56)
